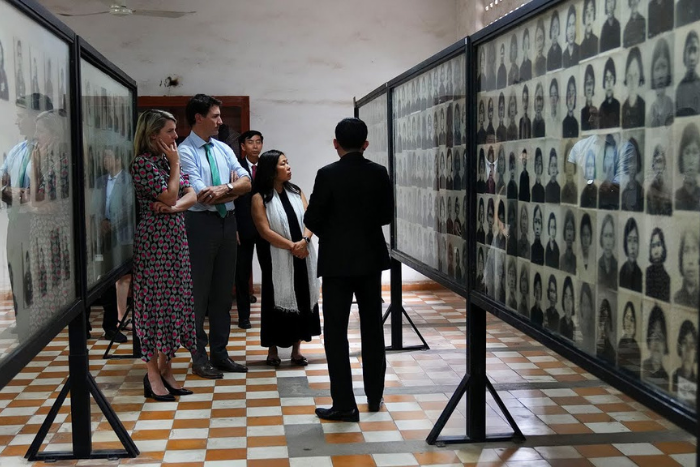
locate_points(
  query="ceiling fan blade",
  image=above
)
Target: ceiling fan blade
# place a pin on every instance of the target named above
(162, 13)
(84, 14)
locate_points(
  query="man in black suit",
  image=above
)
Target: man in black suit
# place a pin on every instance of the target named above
(251, 143)
(352, 199)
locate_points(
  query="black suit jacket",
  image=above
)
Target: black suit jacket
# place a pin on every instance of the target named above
(352, 199)
(244, 219)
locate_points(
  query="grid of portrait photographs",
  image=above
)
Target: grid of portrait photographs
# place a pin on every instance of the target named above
(374, 114)
(36, 235)
(588, 203)
(108, 151)
(429, 119)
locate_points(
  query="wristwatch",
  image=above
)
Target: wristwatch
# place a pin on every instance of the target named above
(308, 240)
(230, 187)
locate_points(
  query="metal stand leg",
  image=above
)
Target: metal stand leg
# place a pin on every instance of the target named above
(135, 343)
(397, 311)
(475, 384)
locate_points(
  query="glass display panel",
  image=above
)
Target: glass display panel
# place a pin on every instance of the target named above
(429, 118)
(588, 205)
(37, 270)
(374, 114)
(109, 191)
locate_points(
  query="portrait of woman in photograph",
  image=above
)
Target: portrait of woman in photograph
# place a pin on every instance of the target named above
(538, 125)
(589, 113)
(449, 169)
(586, 235)
(523, 242)
(457, 224)
(630, 273)
(688, 195)
(458, 175)
(553, 190)
(628, 353)
(689, 266)
(635, 29)
(566, 324)
(604, 346)
(524, 186)
(571, 54)
(481, 133)
(490, 221)
(653, 369)
(501, 134)
(633, 109)
(512, 190)
(490, 182)
(501, 171)
(586, 321)
(502, 77)
(538, 191)
(609, 193)
(443, 172)
(567, 261)
(524, 307)
(449, 125)
(554, 99)
(660, 16)
(657, 281)
(589, 194)
(661, 111)
(540, 59)
(607, 263)
(525, 127)
(526, 65)
(480, 234)
(490, 131)
(610, 34)
(481, 173)
(536, 313)
(551, 255)
(589, 44)
(688, 90)
(687, 11)
(442, 218)
(4, 89)
(449, 223)
(481, 84)
(512, 131)
(609, 111)
(501, 277)
(551, 315)
(659, 194)
(685, 378)
(554, 56)
(480, 283)
(514, 72)
(491, 66)
(570, 124)
(569, 193)
(537, 250)
(632, 198)
(512, 276)
(500, 236)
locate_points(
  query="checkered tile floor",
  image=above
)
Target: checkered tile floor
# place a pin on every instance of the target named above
(266, 418)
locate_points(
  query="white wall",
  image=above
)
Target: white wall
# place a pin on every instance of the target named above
(301, 62)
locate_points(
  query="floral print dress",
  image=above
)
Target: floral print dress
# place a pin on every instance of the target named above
(162, 276)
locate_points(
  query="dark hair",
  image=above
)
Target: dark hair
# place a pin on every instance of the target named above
(630, 306)
(691, 35)
(526, 33)
(502, 99)
(552, 280)
(481, 203)
(537, 279)
(501, 209)
(607, 219)
(555, 15)
(661, 49)
(553, 153)
(605, 306)
(609, 66)
(246, 135)
(636, 54)
(585, 290)
(265, 176)
(690, 135)
(660, 233)
(657, 316)
(572, 11)
(569, 217)
(682, 247)
(511, 160)
(568, 283)
(199, 104)
(635, 145)
(585, 221)
(586, 3)
(35, 101)
(551, 218)
(490, 206)
(351, 134)
(572, 81)
(630, 225)
(538, 155)
(686, 328)
(589, 72)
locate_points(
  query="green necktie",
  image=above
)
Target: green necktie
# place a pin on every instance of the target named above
(215, 180)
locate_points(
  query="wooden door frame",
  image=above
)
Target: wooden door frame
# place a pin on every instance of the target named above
(181, 101)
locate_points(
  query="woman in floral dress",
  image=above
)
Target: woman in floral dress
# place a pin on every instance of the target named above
(162, 280)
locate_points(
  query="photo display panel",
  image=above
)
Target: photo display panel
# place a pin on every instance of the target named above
(37, 270)
(374, 114)
(588, 201)
(429, 118)
(108, 150)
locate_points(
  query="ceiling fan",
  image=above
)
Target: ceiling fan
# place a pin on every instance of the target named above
(117, 9)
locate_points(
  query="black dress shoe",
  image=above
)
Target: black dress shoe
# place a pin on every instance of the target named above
(148, 392)
(207, 371)
(230, 366)
(339, 415)
(253, 298)
(174, 391)
(116, 336)
(373, 406)
(244, 324)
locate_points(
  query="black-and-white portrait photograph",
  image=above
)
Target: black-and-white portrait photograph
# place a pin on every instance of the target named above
(634, 107)
(539, 180)
(539, 235)
(538, 122)
(589, 42)
(688, 87)
(567, 261)
(554, 113)
(609, 191)
(631, 157)
(526, 63)
(524, 288)
(586, 262)
(660, 97)
(655, 352)
(552, 252)
(553, 188)
(684, 333)
(629, 358)
(538, 296)
(687, 195)
(607, 251)
(589, 111)
(20, 62)
(4, 83)
(631, 277)
(512, 294)
(524, 228)
(611, 31)
(606, 335)
(660, 165)
(570, 125)
(569, 192)
(512, 228)
(609, 109)
(587, 318)
(686, 287)
(657, 281)
(554, 54)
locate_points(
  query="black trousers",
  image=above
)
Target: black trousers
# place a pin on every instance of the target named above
(212, 241)
(337, 299)
(244, 269)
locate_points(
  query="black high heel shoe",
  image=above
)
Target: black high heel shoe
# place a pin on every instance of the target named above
(173, 391)
(148, 392)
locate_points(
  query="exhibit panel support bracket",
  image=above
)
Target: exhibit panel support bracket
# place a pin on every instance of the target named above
(397, 312)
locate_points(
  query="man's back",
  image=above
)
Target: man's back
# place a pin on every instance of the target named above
(351, 200)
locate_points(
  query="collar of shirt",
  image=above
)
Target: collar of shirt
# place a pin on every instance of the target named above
(250, 164)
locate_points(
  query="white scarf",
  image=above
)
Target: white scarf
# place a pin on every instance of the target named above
(283, 260)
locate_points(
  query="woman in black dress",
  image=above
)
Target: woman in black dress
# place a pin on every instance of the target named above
(571, 53)
(604, 347)
(566, 323)
(632, 198)
(290, 288)
(589, 195)
(540, 59)
(659, 198)
(607, 263)
(589, 44)
(685, 378)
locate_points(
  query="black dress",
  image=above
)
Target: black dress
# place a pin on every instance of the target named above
(280, 328)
